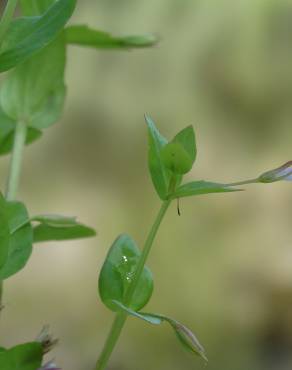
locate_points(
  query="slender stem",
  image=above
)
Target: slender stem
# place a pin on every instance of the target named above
(16, 160)
(252, 181)
(146, 251)
(14, 172)
(121, 317)
(7, 17)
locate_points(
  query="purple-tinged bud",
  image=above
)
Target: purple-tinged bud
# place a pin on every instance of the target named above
(50, 366)
(46, 340)
(281, 173)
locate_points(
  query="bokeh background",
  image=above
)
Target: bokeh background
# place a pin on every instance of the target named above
(224, 267)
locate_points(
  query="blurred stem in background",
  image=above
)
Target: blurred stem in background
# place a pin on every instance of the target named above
(14, 171)
(121, 317)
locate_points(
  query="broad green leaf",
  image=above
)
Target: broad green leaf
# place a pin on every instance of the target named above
(184, 334)
(45, 232)
(34, 91)
(84, 36)
(201, 187)
(55, 220)
(20, 241)
(26, 356)
(4, 232)
(159, 173)
(179, 155)
(28, 35)
(117, 273)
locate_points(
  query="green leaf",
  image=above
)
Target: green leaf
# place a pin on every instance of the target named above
(84, 36)
(28, 35)
(201, 187)
(159, 173)
(20, 241)
(117, 273)
(34, 91)
(55, 220)
(179, 155)
(4, 232)
(176, 158)
(186, 337)
(45, 232)
(33, 7)
(26, 356)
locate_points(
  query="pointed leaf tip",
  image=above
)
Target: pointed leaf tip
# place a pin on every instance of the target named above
(186, 337)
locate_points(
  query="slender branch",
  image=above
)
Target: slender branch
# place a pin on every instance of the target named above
(121, 317)
(14, 172)
(252, 181)
(16, 160)
(7, 17)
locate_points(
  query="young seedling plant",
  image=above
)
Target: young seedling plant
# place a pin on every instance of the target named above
(33, 50)
(125, 282)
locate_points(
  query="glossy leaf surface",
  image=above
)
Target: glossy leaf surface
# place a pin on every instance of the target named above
(82, 35)
(186, 337)
(26, 356)
(20, 240)
(28, 35)
(160, 175)
(117, 273)
(201, 187)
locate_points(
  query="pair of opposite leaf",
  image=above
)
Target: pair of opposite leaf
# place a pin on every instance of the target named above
(168, 162)
(35, 46)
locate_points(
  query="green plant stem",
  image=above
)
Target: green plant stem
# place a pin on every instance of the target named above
(7, 17)
(121, 317)
(14, 172)
(252, 181)
(16, 160)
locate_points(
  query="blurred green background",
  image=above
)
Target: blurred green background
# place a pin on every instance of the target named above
(224, 267)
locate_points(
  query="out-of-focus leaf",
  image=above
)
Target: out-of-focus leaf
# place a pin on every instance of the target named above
(45, 232)
(117, 273)
(4, 232)
(159, 173)
(20, 241)
(201, 187)
(33, 7)
(34, 91)
(26, 356)
(186, 337)
(55, 220)
(28, 35)
(84, 36)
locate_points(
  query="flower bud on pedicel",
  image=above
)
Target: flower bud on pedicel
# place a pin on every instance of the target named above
(50, 366)
(46, 340)
(281, 173)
